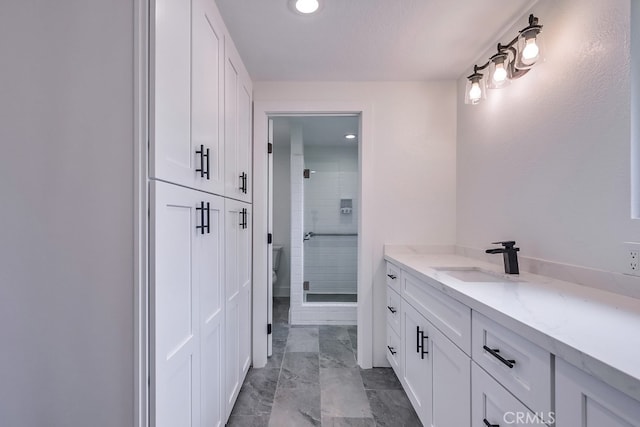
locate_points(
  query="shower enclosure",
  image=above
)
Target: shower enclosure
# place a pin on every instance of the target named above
(325, 184)
(330, 223)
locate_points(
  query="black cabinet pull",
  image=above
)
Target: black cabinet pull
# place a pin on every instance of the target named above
(243, 182)
(391, 350)
(243, 218)
(204, 218)
(204, 162)
(420, 345)
(488, 424)
(423, 346)
(392, 309)
(494, 352)
(206, 154)
(391, 276)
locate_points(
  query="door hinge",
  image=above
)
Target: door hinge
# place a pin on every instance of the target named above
(269, 238)
(307, 173)
(305, 285)
(269, 148)
(269, 328)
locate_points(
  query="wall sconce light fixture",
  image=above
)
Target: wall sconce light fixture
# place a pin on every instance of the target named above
(512, 61)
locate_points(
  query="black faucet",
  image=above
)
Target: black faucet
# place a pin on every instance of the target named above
(509, 253)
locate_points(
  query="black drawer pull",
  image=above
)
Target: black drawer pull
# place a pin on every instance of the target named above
(494, 352)
(391, 276)
(391, 350)
(392, 309)
(420, 346)
(488, 424)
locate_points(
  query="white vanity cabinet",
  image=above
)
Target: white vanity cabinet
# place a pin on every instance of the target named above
(582, 400)
(432, 369)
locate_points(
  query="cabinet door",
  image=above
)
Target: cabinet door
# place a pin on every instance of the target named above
(451, 382)
(237, 118)
(186, 96)
(186, 306)
(237, 297)
(418, 374)
(210, 274)
(582, 400)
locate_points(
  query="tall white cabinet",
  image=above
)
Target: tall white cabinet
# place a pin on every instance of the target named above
(200, 216)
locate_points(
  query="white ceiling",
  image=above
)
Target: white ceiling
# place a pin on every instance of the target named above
(317, 130)
(368, 40)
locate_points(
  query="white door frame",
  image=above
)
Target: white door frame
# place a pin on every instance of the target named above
(262, 269)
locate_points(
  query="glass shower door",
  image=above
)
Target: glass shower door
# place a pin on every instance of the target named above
(330, 224)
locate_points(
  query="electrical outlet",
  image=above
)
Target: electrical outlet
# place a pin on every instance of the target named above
(632, 258)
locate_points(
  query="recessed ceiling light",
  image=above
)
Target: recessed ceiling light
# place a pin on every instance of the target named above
(350, 136)
(307, 6)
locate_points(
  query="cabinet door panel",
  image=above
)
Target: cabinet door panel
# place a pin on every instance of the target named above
(207, 92)
(451, 382)
(211, 278)
(238, 297)
(417, 377)
(237, 110)
(174, 291)
(582, 400)
(171, 80)
(186, 99)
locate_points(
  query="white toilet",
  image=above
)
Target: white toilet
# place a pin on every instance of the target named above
(277, 250)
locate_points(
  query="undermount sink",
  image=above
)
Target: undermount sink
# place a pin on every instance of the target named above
(476, 274)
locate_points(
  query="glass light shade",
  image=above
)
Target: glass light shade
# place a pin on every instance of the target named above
(498, 76)
(307, 6)
(475, 90)
(530, 48)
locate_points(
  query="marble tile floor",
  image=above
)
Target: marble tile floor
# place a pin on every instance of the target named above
(313, 379)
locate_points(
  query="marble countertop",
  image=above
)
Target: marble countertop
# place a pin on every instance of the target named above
(597, 331)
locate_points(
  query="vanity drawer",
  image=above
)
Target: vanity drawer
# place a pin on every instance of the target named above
(492, 404)
(518, 364)
(394, 350)
(393, 277)
(393, 309)
(451, 317)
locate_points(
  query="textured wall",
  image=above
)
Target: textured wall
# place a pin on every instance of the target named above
(66, 221)
(546, 160)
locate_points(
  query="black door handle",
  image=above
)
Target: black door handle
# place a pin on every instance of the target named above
(420, 345)
(204, 224)
(204, 164)
(243, 182)
(494, 352)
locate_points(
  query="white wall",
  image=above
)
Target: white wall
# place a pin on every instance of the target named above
(414, 153)
(546, 161)
(282, 212)
(66, 221)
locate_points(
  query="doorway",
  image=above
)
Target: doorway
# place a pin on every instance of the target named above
(315, 181)
(262, 302)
